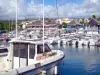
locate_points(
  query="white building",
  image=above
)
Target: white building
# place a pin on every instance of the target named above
(66, 20)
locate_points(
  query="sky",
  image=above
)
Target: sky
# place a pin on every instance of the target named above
(34, 8)
(53, 2)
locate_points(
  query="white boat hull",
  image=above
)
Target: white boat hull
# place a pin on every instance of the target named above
(39, 67)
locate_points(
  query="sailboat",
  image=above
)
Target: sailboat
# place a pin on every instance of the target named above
(29, 56)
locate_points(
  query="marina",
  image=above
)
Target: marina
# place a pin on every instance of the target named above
(49, 37)
(38, 58)
(45, 48)
(79, 60)
(73, 54)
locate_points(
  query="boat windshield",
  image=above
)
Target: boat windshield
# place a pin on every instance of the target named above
(19, 48)
(40, 48)
(3, 50)
(31, 51)
(23, 52)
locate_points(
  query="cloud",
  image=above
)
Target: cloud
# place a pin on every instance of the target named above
(8, 9)
(32, 10)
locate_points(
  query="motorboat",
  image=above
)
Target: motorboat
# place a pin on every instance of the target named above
(27, 56)
(65, 38)
(3, 52)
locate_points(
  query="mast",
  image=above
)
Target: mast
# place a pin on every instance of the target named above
(57, 17)
(57, 9)
(16, 17)
(11, 24)
(43, 26)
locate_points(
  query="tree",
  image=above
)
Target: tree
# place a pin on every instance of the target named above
(6, 25)
(82, 21)
(64, 25)
(1, 26)
(99, 19)
(94, 16)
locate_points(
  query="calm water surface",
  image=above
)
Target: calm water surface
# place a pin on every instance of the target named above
(79, 60)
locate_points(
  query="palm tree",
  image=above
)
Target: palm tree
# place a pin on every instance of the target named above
(64, 25)
(94, 16)
(99, 19)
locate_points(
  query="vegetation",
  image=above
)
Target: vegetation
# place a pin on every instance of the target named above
(94, 16)
(82, 22)
(7, 25)
(64, 25)
(1, 26)
(99, 19)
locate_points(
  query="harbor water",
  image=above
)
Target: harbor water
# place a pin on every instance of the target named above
(80, 60)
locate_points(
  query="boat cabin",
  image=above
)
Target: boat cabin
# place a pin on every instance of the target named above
(25, 53)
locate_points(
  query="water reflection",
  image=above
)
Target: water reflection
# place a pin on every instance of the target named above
(79, 60)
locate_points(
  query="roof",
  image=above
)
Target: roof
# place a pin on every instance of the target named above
(27, 41)
(74, 22)
(94, 22)
(66, 20)
(41, 25)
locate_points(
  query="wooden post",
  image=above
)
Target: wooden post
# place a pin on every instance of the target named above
(55, 72)
(44, 72)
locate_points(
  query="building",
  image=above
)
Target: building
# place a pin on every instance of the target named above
(75, 26)
(66, 20)
(93, 27)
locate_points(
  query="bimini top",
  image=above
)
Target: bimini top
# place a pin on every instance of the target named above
(27, 41)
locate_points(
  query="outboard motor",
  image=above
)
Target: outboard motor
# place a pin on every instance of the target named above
(61, 43)
(30, 36)
(76, 43)
(88, 43)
